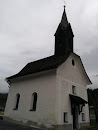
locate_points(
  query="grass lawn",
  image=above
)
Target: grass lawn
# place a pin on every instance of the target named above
(91, 112)
(94, 124)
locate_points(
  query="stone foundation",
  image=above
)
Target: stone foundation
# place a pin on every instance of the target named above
(63, 127)
(28, 123)
(83, 126)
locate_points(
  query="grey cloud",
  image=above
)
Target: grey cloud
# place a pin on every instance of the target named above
(27, 30)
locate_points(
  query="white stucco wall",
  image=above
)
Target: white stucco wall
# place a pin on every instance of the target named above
(44, 85)
(68, 75)
(53, 89)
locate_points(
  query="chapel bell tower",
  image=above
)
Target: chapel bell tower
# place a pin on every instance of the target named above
(63, 37)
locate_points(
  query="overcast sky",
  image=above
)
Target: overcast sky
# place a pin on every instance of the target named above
(27, 30)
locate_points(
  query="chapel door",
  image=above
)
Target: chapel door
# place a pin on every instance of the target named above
(75, 117)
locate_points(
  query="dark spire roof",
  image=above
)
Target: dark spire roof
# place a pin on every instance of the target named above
(64, 20)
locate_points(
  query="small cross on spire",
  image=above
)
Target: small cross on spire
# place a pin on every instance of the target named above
(64, 4)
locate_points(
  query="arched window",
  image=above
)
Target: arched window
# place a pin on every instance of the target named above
(17, 101)
(33, 102)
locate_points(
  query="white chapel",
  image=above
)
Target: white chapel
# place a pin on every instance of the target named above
(51, 93)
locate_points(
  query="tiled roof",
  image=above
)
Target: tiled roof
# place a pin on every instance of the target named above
(48, 63)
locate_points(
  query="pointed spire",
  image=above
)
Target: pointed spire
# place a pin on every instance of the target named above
(64, 20)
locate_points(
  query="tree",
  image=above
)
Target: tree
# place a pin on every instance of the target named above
(93, 100)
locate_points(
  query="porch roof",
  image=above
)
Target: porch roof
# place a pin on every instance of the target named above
(77, 100)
